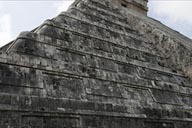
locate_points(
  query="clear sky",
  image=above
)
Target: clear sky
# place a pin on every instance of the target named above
(17, 16)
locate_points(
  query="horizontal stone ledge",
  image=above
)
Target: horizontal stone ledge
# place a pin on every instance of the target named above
(157, 68)
(79, 113)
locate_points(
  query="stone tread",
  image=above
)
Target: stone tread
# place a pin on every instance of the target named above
(105, 27)
(81, 52)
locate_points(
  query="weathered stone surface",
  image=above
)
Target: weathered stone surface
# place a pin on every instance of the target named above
(98, 65)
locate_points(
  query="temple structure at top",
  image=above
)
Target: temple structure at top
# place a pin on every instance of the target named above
(136, 6)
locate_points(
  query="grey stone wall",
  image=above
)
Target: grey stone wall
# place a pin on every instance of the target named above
(90, 68)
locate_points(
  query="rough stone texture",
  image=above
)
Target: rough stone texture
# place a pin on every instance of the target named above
(136, 6)
(97, 66)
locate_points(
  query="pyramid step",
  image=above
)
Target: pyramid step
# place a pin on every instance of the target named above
(97, 31)
(95, 19)
(103, 6)
(64, 18)
(69, 46)
(62, 30)
(110, 66)
(129, 43)
(58, 31)
(101, 13)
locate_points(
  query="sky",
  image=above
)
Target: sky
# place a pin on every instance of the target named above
(173, 13)
(19, 15)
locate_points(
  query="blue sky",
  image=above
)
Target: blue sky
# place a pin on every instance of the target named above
(17, 16)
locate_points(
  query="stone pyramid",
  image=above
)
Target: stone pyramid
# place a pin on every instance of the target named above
(101, 64)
